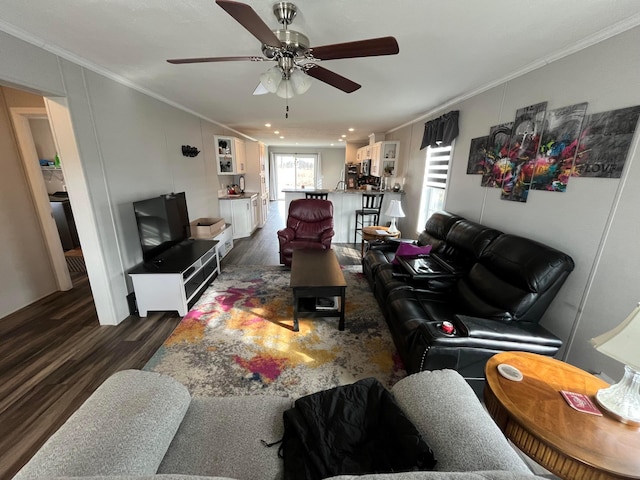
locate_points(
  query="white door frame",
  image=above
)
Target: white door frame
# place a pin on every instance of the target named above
(20, 117)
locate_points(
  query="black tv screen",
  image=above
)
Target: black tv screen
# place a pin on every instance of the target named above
(162, 223)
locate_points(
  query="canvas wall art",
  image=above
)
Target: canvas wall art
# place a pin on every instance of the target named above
(604, 143)
(523, 147)
(477, 154)
(497, 148)
(551, 169)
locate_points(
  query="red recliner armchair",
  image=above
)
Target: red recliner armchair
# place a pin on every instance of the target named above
(309, 226)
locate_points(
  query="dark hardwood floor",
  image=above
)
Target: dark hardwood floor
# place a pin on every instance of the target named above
(55, 354)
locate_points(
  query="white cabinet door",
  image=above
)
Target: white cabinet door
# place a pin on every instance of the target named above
(376, 169)
(241, 157)
(241, 212)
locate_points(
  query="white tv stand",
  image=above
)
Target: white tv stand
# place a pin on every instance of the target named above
(175, 279)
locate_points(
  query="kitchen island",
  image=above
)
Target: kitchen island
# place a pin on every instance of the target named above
(345, 204)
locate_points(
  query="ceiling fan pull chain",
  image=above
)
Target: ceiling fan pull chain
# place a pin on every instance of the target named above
(286, 112)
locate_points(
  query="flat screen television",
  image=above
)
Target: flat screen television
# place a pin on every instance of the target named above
(162, 223)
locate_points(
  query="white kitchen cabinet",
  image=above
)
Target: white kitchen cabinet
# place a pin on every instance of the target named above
(263, 210)
(376, 167)
(230, 155)
(384, 156)
(257, 179)
(241, 213)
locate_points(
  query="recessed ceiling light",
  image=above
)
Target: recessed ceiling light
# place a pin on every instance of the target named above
(281, 136)
(332, 144)
(351, 129)
(344, 136)
(267, 125)
(339, 139)
(276, 132)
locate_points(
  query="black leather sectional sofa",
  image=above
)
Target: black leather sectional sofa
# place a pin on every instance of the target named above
(491, 286)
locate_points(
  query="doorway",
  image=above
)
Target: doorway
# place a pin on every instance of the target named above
(295, 171)
(25, 121)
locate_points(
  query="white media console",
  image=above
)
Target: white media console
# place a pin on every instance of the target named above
(176, 278)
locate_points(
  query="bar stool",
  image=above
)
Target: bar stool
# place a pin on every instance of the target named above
(316, 195)
(369, 213)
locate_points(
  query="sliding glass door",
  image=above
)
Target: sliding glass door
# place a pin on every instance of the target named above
(294, 171)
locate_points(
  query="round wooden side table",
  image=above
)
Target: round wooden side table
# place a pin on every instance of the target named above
(375, 232)
(535, 417)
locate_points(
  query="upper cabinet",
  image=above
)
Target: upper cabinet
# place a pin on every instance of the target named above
(230, 155)
(383, 157)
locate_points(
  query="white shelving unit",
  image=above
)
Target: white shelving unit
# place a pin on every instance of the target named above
(175, 279)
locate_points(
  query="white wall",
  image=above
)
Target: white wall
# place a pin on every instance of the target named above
(128, 148)
(596, 221)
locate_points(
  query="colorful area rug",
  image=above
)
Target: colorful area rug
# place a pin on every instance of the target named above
(238, 339)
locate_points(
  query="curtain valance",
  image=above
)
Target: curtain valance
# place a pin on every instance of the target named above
(441, 131)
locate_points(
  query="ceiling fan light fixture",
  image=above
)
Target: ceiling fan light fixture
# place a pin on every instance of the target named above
(271, 79)
(285, 89)
(299, 81)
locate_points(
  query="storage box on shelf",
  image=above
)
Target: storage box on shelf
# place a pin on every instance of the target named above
(206, 228)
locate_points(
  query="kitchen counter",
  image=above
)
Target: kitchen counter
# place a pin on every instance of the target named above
(325, 190)
(238, 197)
(345, 204)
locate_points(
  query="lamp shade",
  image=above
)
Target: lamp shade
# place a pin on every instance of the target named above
(621, 343)
(299, 81)
(395, 209)
(271, 79)
(285, 89)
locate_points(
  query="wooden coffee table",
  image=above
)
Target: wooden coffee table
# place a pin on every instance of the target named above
(536, 418)
(316, 274)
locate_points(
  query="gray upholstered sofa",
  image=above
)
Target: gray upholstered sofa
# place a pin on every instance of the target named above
(143, 425)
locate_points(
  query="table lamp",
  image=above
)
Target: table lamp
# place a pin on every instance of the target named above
(622, 400)
(394, 211)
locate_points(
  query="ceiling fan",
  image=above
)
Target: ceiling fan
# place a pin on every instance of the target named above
(295, 59)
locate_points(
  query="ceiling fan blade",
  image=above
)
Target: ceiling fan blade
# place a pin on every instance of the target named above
(216, 59)
(362, 48)
(333, 79)
(249, 19)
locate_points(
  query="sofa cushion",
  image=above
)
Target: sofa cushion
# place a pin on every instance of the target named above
(406, 249)
(223, 437)
(124, 428)
(453, 422)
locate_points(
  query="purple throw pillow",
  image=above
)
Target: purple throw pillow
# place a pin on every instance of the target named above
(406, 249)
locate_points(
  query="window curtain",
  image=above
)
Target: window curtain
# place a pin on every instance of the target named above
(441, 131)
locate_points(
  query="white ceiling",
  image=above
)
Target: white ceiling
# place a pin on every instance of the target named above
(448, 49)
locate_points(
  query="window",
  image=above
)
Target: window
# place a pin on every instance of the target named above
(434, 187)
(294, 171)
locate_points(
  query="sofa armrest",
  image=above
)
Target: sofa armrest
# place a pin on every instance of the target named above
(327, 235)
(286, 234)
(454, 424)
(508, 331)
(124, 428)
